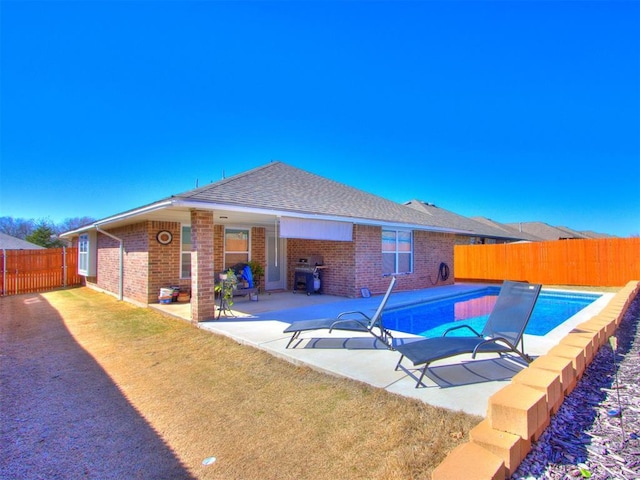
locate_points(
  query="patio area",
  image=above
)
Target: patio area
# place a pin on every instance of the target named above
(454, 384)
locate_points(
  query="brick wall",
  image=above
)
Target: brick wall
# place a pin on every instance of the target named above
(369, 260)
(164, 260)
(147, 264)
(135, 240)
(202, 268)
(218, 249)
(430, 250)
(259, 249)
(339, 276)
(357, 264)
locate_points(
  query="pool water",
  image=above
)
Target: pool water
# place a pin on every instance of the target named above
(432, 318)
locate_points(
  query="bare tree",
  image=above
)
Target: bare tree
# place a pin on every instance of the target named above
(17, 227)
(22, 227)
(69, 224)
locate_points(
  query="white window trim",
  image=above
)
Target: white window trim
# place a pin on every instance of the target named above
(398, 252)
(224, 241)
(87, 253)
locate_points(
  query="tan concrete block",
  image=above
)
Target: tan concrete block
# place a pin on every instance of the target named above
(581, 341)
(562, 366)
(544, 380)
(517, 409)
(594, 327)
(541, 429)
(609, 314)
(609, 324)
(471, 462)
(511, 448)
(575, 354)
(620, 299)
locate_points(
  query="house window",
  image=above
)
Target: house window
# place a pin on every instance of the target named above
(397, 251)
(236, 246)
(185, 253)
(87, 254)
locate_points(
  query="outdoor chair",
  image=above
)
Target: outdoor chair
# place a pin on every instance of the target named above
(350, 321)
(243, 274)
(501, 334)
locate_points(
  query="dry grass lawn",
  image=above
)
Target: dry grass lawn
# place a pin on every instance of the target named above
(261, 417)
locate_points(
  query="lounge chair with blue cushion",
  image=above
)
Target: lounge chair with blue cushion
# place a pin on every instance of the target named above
(501, 334)
(349, 321)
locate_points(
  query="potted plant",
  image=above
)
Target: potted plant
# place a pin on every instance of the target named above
(257, 271)
(226, 286)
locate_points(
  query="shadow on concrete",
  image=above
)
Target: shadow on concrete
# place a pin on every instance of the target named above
(469, 372)
(347, 343)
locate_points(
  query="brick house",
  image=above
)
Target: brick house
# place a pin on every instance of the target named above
(274, 215)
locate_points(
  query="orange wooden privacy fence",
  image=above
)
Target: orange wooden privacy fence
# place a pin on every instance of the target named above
(602, 262)
(26, 271)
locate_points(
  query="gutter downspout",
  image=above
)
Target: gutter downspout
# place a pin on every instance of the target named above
(121, 273)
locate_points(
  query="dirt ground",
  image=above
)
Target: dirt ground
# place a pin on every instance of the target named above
(95, 388)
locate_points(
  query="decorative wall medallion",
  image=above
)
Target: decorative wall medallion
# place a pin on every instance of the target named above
(164, 237)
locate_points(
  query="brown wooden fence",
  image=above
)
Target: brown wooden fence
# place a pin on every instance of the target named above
(609, 262)
(27, 271)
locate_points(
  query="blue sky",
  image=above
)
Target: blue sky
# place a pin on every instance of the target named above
(512, 110)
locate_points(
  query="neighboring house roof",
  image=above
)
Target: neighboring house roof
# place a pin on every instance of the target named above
(596, 235)
(546, 231)
(471, 226)
(571, 233)
(7, 242)
(508, 230)
(540, 231)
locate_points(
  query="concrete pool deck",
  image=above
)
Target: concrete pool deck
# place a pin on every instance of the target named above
(455, 383)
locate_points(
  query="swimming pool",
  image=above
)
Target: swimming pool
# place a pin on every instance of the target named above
(431, 319)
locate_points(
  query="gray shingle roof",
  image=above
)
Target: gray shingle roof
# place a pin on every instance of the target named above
(454, 220)
(596, 235)
(278, 186)
(515, 232)
(546, 231)
(8, 242)
(281, 189)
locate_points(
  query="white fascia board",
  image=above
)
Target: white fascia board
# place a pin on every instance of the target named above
(313, 216)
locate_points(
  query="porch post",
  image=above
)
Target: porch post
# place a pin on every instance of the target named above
(202, 275)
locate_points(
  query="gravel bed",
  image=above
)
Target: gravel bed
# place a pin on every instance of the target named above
(596, 432)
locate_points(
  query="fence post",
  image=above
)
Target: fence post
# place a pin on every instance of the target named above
(64, 266)
(4, 271)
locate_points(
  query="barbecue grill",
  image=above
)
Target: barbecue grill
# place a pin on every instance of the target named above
(308, 274)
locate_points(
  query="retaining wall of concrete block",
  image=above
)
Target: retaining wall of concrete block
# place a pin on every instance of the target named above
(519, 413)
